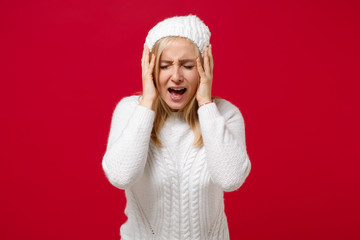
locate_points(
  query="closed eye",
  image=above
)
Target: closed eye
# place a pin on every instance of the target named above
(164, 67)
(188, 67)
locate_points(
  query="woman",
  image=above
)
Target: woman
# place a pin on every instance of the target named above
(175, 149)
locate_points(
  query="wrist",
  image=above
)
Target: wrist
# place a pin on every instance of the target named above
(205, 103)
(202, 101)
(148, 103)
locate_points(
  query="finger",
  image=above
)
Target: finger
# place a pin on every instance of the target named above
(152, 63)
(211, 59)
(200, 68)
(147, 53)
(143, 56)
(206, 61)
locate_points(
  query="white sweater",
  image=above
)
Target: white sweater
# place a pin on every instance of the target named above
(176, 192)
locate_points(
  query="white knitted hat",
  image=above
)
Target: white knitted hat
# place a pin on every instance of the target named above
(190, 27)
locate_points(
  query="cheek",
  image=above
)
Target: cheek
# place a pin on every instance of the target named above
(162, 80)
(193, 79)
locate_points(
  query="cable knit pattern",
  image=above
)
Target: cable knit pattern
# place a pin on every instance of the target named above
(176, 192)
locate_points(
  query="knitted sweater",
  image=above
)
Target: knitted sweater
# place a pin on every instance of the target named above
(176, 192)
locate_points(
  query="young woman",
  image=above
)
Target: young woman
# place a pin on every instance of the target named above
(175, 149)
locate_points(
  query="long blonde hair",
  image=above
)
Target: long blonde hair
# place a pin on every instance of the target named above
(162, 110)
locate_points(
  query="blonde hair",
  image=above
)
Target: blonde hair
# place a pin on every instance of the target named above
(162, 110)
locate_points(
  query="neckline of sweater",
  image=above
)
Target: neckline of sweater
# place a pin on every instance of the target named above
(178, 116)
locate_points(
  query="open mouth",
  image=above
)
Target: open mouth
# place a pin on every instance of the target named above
(176, 94)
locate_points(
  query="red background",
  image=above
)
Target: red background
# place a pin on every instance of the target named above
(292, 67)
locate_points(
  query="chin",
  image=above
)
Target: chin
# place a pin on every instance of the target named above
(175, 106)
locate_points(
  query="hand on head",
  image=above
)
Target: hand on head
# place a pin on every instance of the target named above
(149, 91)
(203, 94)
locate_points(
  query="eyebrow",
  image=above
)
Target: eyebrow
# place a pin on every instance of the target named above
(182, 61)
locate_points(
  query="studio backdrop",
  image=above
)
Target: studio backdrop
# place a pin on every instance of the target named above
(291, 67)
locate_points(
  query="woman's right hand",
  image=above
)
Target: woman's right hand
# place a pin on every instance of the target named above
(150, 92)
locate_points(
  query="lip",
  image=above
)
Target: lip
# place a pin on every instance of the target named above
(176, 98)
(177, 87)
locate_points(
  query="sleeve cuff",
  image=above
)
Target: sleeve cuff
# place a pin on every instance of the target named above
(144, 115)
(208, 112)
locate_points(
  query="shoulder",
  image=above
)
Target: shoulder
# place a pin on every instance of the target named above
(127, 104)
(134, 99)
(129, 101)
(226, 108)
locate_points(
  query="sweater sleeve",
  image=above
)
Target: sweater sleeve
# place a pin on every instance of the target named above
(128, 142)
(223, 131)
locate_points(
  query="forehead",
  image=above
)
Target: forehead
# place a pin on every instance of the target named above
(179, 48)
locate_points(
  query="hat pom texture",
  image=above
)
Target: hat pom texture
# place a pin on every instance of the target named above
(190, 27)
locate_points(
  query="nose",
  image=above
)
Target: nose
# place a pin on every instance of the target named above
(177, 75)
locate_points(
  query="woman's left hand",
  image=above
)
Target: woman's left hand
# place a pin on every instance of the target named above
(203, 94)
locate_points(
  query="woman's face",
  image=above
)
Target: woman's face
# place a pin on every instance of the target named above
(178, 75)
